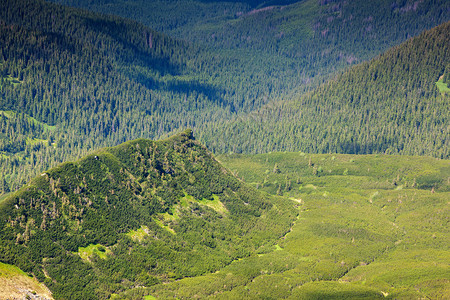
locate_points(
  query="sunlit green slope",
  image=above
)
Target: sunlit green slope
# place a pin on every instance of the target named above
(142, 213)
(370, 227)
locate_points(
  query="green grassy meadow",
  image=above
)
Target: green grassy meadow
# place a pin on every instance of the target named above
(86, 253)
(370, 226)
(442, 86)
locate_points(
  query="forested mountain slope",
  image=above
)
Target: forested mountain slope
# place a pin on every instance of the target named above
(72, 81)
(320, 36)
(369, 227)
(388, 105)
(138, 214)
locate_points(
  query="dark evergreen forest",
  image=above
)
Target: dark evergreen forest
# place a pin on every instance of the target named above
(389, 105)
(311, 37)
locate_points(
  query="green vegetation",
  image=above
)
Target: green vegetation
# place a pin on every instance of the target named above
(86, 253)
(11, 115)
(139, 214)
(388, 105)
(102, 80)
(442, 86)
(213, 203)
(139, 234)
(357, 236)
(22, 138)
(341, 32)
(367, 226)
(9, 80)
(164, 219)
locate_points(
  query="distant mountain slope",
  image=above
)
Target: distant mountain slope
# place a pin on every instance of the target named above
(388, 105)
(175, 17)
(322, 36)
(89, 81)
(138, 214)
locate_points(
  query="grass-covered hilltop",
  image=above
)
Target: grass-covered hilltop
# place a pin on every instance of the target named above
(138, 214)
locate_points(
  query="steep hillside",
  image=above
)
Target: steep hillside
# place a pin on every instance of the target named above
(388, 105)
(15, 284)
(138, 214)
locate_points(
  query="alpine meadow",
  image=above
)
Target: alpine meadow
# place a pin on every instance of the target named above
(249, 149)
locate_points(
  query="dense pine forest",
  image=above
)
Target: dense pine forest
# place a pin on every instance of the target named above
(308, 39)
(73, 81)
(390, 105)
